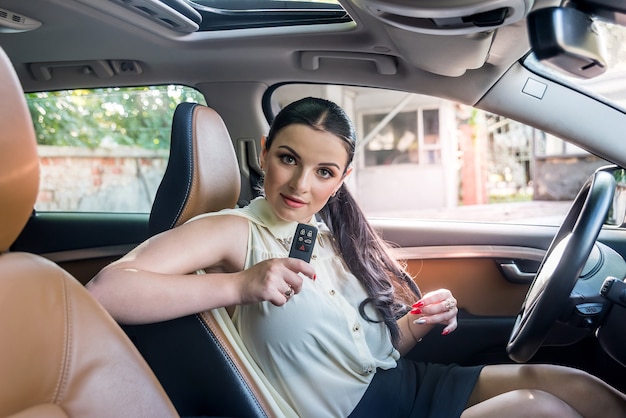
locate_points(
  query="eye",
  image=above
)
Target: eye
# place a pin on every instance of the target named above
(288, 159)
(326, 173)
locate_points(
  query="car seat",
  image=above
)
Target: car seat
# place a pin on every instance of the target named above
(192, 357)
(61, 354)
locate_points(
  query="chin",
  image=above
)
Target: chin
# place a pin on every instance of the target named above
(294, 215)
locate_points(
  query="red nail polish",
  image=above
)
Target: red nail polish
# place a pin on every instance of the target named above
(416, 311)
(418, 304)
(314, 277)
(445, 332)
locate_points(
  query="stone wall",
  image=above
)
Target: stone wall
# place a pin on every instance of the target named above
(120, 179)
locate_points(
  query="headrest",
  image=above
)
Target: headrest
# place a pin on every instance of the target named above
(19, 163)
(202, 173)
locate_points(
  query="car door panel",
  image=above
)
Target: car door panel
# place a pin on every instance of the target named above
(474, 261)
(82, 243)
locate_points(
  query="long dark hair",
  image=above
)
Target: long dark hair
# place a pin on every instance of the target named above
(364, 252)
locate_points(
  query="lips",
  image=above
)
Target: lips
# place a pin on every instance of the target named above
(292, 202)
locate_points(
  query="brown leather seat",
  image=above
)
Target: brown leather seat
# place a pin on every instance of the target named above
(61, 354)
(193, 360)
(202, 174)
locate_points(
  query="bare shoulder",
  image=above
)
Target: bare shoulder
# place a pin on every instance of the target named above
(218, 241)
(225, 236)
(230, 222)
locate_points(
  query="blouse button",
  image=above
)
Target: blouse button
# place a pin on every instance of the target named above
(313, 257)
(332, 293)
(356, 328)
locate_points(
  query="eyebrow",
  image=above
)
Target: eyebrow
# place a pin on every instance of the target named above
(291, 150)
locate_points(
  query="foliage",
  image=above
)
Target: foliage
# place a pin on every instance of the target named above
(137, 116)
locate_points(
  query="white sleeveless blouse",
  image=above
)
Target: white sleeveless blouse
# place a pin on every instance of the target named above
(316, 350)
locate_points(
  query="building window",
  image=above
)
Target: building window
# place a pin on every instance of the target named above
(398, 139)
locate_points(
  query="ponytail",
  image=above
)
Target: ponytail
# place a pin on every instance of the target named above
(366, 256)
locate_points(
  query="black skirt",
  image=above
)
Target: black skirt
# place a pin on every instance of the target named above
(414, 389)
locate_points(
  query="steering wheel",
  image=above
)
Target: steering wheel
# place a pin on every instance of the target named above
(562, 265)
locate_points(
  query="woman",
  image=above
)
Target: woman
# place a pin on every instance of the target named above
(329, 335)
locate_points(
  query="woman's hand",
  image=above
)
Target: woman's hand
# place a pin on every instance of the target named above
(275, 280)
(437, 307)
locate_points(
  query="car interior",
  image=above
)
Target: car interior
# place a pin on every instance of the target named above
(527, 293)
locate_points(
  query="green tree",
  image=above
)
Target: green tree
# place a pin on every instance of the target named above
(135, 116)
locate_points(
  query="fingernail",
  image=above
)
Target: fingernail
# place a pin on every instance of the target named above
(445, 332)
(420, 321)
(416, 311)
(417, 304)
(314, 277)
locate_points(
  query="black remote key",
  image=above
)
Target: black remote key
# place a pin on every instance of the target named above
(303, 242)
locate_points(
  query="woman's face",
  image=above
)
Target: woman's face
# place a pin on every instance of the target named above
(303, 168)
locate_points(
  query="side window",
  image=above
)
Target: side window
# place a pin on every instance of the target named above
(104, 150)
(428, 158)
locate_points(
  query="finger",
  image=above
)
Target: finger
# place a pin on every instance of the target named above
(432, 298)
(300, 266)
(447, 317)
(450, 328)
(439, 306)
(448, 304)
(278, 299)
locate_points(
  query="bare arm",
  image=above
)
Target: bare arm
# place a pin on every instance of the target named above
(153, 281)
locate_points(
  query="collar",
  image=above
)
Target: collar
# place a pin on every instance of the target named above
(261, 212)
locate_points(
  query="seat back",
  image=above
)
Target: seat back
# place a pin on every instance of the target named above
(201, 174)
(192, 359)
(61, 354)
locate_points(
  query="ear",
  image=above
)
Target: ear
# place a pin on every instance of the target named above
(263, 152)
(343, 180)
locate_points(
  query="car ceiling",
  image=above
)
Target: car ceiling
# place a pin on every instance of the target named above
(76, 35)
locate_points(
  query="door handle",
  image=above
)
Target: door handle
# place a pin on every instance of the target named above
(513, 274)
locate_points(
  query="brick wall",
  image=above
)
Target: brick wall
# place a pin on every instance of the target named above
(120, 179)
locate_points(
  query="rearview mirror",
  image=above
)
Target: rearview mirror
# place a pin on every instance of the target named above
(567, 39)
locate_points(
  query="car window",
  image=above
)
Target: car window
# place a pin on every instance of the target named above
(104, 150)
(424, 157)
(246, 14)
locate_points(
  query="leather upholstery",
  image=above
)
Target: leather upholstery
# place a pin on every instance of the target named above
(202, 174)
(198, 368)
(61, 354)
(60, 350)
(19, 165)
(193, 361)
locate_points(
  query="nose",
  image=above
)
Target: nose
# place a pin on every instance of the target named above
(300, 181)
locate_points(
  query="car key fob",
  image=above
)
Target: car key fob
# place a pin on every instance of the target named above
(303, 242)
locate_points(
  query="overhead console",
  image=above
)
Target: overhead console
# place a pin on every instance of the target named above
(453, 17)
(463, 31)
